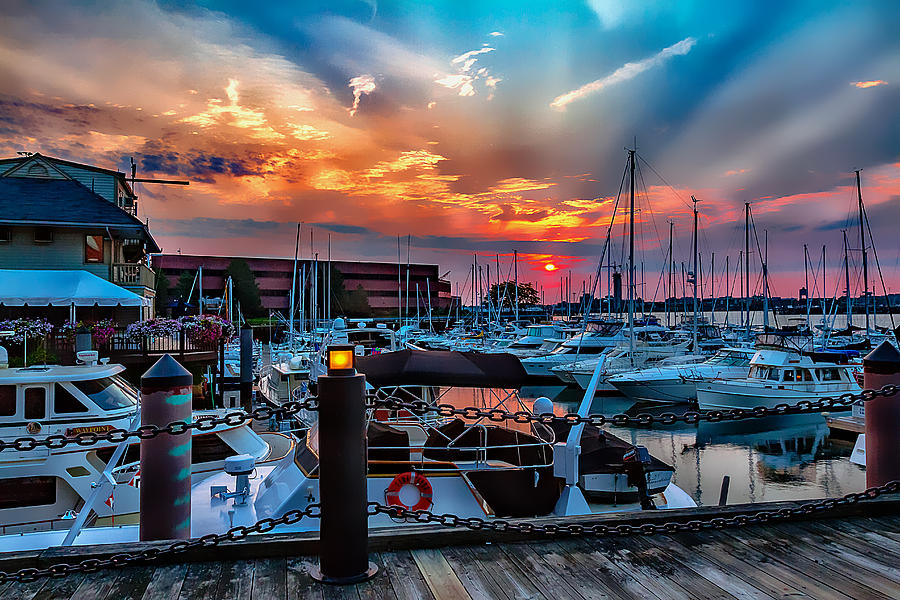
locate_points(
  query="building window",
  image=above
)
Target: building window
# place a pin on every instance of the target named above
(5, 235)
(43, 235)
(93, 248)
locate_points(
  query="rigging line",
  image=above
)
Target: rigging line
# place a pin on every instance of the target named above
(887, 296)
(655, 172)
(649, 208)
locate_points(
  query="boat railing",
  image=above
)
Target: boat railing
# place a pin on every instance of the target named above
(481, 461)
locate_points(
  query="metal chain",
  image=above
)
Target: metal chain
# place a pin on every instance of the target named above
(144, 432)
(499, 415)
(623, 529)
(91, 565)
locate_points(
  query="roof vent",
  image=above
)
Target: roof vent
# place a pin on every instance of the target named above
(38, 170)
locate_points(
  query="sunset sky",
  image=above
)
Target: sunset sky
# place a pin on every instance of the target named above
(475, 126)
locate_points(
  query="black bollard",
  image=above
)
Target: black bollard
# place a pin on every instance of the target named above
(246, 367)
(344, 527)
(880, 368)
(166, 391)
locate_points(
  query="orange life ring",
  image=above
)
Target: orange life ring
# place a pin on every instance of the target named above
(392, 493)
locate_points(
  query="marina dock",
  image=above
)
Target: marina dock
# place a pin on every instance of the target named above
(853, 553)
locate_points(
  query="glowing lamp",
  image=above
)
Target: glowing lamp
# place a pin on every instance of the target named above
(339, 359)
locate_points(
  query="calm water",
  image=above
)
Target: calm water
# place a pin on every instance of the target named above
(770, 459)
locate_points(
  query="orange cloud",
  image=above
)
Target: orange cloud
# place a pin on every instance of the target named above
(868, 84)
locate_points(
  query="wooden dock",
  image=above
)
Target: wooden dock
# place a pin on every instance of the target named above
(854, 556)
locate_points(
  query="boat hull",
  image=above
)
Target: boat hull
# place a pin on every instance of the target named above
(724, 396)
(664, 391)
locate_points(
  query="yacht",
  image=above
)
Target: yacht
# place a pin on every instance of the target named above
(678, 383)
(652, 344)
(780, 377)
(598, 337)
(44, 489)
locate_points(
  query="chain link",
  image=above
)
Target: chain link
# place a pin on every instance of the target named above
(603, 529)
(91, 565)
(421, 407)
(146, 432)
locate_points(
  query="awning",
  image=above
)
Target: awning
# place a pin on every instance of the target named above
(61, 288)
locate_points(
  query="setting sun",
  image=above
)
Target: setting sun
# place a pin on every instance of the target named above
(550, 267)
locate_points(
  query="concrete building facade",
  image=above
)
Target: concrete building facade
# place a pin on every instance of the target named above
(379, 280)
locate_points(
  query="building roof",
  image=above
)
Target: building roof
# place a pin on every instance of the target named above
(64, 203)
(9, 164)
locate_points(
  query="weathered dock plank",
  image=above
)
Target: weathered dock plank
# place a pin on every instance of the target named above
(443, 582)
(828, 559)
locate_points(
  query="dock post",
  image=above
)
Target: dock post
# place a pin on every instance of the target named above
(166, 391)
(344, 528)
(246, 367)
(882, 367)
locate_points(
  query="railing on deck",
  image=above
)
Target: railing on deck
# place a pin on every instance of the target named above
(132, 274)
(177, 344)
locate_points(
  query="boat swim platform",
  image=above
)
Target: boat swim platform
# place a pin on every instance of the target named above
(851, 552)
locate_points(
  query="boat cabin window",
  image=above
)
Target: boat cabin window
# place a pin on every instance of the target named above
(830, 374)
(35, 403)
(65, 403)
(108, 393)
(773, 375)
(804, 375)
(20, 492)
(789, 375)
(7, 400)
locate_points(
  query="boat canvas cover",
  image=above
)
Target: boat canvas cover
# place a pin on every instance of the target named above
(61, 288)
(442, 368)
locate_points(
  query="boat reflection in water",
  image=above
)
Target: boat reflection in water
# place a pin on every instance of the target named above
(782, 443)
(769, 459)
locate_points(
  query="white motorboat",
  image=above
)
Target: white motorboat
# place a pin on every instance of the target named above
(598, 337)
(780, 377)
(44, 489)
(622, 359)
(678, 383)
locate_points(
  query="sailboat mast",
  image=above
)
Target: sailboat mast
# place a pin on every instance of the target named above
(294, 287)
(847, 280)
(824, 314)
(727, 290)
(696, 258)
(516, 271)
(865, 254)
(806, 281)
(765, 271)
(670, 280)
(400, 289)
(741, 268)
(631, 260)
(747, 261)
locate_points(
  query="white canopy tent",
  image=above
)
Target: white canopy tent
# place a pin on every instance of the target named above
(63, 288)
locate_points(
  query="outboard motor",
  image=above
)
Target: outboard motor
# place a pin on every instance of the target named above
(636, 461)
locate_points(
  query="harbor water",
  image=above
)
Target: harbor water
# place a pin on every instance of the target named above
(767, 460)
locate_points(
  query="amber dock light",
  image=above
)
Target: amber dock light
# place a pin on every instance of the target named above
(340, 360)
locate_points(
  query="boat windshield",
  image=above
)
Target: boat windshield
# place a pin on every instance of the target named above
(109, 393)
(729, 359)
(603, 329)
